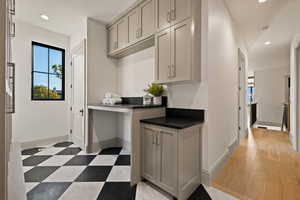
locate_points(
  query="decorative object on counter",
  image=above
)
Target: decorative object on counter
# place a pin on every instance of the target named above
(147, 99)
(111, 99)
(156, 90)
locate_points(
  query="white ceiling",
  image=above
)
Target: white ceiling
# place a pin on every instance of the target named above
(66, 15)
(282, 17)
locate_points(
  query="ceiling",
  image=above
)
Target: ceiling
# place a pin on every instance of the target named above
(65, 16)
(280, 16)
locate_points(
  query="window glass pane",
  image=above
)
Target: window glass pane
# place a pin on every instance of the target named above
(40, 58)
(40, 87)
(55, 62)
(55, 89)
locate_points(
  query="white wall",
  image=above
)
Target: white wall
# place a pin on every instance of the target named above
(270, 94)
(102, 77)
(135, 72)
(222, 82)
(294, 98)
(37, 120)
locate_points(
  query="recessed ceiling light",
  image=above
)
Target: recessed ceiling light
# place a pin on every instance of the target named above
(44, 17)
(262, 1)
(267, 43)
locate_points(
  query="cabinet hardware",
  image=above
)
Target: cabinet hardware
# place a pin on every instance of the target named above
(154, 138)
(173, 14)
(165, 132)
(150, 129)
(137, 34)
(12, 9)
(10, 106)
(81, 112)
(140, 32)
(157, 139)
(12, 29)
(173, 71)
(169, 17)
(169, 71)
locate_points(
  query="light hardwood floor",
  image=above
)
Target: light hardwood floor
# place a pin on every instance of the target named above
(263, 167)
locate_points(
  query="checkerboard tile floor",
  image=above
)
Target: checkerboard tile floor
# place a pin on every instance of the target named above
(65, 172)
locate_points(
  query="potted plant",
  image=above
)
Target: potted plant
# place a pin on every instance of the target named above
(156, 90)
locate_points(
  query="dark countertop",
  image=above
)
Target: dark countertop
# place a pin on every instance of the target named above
(128, 106)
(177, 123)
(178, 118)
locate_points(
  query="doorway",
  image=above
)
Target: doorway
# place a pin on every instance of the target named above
(78, 101)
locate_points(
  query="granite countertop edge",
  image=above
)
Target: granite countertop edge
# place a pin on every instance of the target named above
(171, 122)
(129, 106)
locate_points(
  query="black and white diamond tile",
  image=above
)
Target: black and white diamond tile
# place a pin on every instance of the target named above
(65, 172)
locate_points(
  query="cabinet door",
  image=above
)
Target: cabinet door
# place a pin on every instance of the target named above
(181, 46)
(180, 10)
(113, 38)
(147, 11)
(163, 55)
(149, 153)
(168, 166)
(122, 33)
(134, 25)
(163, 15)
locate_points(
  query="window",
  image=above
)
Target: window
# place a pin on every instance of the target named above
(251, 89)
(48, 72)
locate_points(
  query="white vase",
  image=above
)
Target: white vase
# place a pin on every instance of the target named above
(157, 100)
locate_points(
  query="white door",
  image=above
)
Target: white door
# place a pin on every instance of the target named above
(241, 96)
(78, 96)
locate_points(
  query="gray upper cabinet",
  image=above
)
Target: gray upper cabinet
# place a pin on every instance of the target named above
(134, 26)
(122, 26)
(180, 10)
(163, 55)
(171, 12)
(113, 38)
(163, 14)
(181, 47)
(174, 27)
(147, 12)
(135, 30)
(184, 62)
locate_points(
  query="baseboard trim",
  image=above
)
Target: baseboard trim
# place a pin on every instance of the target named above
(209, 175)
(43, 142)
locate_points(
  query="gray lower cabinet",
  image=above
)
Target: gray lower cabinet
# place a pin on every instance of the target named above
(171, 158)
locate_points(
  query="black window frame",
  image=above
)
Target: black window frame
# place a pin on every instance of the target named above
(48, 73)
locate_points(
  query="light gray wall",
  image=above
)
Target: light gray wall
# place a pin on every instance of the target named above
(270, 94)
(37, 120)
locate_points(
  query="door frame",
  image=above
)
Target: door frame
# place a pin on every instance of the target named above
(296, 144)
(82, 46)
(242, 93)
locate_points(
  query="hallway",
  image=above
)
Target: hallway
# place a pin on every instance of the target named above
(263, 167)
